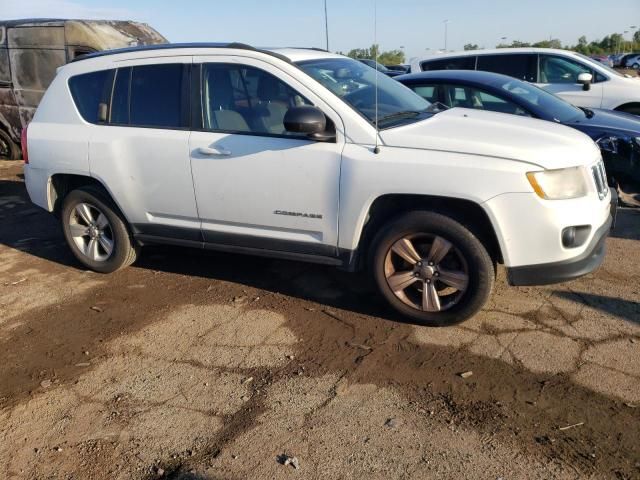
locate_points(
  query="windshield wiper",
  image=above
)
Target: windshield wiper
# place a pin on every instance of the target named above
(403, 114)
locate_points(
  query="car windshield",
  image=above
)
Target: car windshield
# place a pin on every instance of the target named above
(355, 83)
(539, 99)
(601, 65)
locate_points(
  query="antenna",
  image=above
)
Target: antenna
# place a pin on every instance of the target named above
(376, 149)
(326, 24)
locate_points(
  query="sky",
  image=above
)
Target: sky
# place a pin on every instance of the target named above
(416, 25)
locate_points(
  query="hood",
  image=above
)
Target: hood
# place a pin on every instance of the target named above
(479, 132)
(608, 121)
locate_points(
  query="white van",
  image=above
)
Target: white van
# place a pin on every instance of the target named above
(578, 79)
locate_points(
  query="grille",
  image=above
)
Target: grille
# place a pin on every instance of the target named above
(600, 177)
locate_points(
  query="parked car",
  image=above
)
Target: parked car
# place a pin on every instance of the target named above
(31, 51)
(617, 59)
(380, 67)
(617, 134)
(604, 59)
(576, 78)
(312, 156)
(633, 62)
(399, 68)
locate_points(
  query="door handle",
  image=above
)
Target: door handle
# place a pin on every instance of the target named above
(211, 151)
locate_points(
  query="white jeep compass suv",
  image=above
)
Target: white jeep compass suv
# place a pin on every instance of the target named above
(308, 155)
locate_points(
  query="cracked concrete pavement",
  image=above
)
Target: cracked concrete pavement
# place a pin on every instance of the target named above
(193, 365)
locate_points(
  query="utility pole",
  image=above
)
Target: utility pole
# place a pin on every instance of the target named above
(326, 24)
(446, 23)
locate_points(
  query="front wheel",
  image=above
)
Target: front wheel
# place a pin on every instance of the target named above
(95, 230)
(432, 269)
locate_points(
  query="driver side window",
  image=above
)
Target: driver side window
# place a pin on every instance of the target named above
(560, 70)
(243, 99)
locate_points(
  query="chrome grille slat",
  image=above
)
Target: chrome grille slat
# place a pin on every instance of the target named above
(600, 178)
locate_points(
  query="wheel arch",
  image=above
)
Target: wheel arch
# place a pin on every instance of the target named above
(60, 184)
(624, 106)
(385, 207)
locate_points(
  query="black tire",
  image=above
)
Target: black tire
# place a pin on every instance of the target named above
(9, 150)
(480, 268)
(632, 109)
(124, 248)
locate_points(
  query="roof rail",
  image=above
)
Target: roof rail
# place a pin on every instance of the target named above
(176, 46)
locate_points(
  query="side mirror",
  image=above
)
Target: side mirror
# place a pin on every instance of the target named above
(585, 80)
(310, 120)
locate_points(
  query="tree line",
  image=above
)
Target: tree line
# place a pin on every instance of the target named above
(613, 43)
(610, 44)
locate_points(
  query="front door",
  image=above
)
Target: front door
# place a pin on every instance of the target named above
(559, 75)
(257, 185)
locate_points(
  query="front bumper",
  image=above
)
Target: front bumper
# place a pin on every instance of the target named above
(558, 272)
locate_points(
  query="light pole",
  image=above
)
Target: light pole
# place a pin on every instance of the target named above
(503, 39)
(326, 24)
(446, 24)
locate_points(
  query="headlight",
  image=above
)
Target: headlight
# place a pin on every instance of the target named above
(559, 184)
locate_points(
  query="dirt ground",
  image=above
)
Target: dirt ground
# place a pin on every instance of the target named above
(204, 366)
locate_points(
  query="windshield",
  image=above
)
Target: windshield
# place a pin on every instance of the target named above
(601, 65)
(560, 110)
(355, 83)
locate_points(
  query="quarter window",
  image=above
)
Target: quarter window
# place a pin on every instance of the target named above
(428, 92)
(238, 98)
(89, 90)
(520, 66)
(157, 97)
(456, 63)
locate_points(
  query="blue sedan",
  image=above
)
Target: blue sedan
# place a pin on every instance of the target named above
(617, 134)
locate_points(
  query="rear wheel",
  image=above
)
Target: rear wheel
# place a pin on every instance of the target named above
(432, 269)
(95, 231)
(9, 150)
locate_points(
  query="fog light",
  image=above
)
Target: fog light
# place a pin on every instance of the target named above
(573, 237)
(569, 236)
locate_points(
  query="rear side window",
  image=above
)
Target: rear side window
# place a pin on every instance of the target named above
(89, 91)
(120, 100)
(159, 97)
(520, 66)
(459, 63)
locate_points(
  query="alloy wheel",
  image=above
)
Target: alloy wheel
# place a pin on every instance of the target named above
(91, 232)
(426, 272)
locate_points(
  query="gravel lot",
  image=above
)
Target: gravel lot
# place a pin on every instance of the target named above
(194, 365)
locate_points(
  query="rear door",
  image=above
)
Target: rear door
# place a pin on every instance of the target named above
(559, 75)
(257, 185)
(142, 151)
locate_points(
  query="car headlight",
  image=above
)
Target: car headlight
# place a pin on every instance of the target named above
(560, 184)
